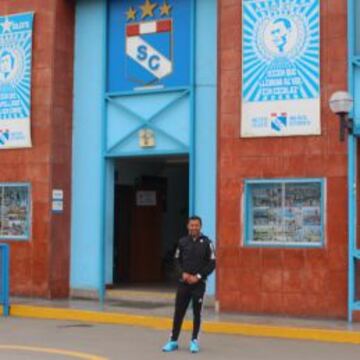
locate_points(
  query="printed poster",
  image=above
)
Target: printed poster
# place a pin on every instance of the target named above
(15, 80)
(281, 68)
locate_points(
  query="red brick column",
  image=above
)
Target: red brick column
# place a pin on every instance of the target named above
(282, 281)
(40, 267)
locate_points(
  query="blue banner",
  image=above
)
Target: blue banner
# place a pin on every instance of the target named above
(148, 44)
(281, 68)
(15, 80)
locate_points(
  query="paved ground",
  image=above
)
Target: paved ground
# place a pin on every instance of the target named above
(48, 339)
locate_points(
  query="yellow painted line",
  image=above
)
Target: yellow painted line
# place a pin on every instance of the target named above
(90, 316)
(73, 354)
(282, 332)
(162, 323)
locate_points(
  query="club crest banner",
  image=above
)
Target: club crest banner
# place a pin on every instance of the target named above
(149, 44)
(15, 80)
(281, 68)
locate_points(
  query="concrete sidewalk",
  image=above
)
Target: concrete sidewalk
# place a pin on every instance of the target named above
(157, 314)
(36, 339)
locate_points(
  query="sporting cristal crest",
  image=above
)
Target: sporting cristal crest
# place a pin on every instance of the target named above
(279, 121)
(149, 44)
(4, 136)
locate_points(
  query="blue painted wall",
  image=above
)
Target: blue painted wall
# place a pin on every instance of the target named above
(205, 118)
(354, 58)
(88, 162)
(87, 159)
(354, 48)
(357, 27)
(354, 87)
(169, 112)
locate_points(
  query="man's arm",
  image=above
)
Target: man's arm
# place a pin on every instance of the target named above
(210, 266)
(178, 261)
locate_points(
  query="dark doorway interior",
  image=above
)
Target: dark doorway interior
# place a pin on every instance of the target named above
(151, 207)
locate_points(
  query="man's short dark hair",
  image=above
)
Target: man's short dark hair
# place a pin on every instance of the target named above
(284, 21)
(195, 218)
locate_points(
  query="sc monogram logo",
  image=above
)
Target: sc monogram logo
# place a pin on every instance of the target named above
(149, 43)
(151, 61)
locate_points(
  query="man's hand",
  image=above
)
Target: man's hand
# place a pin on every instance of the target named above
(193, 279)
(190, 279)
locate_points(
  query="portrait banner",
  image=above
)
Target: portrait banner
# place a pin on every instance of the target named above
(280, 68)
(15, 80)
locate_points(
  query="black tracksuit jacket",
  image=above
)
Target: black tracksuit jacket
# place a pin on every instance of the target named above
(195, 256)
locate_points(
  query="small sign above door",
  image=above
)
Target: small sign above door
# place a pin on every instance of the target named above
(146, 138)
(146, 198)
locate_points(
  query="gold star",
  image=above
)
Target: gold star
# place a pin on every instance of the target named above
(147, 9)
(131, 14)
(165, 9)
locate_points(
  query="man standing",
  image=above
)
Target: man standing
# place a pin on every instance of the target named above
(195, 259)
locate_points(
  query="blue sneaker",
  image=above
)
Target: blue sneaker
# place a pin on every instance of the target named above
(194, 346)
(170, 346)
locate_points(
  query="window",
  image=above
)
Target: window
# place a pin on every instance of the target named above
(14, 211)
(284, 212)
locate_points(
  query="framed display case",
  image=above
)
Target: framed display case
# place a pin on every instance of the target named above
(284, 212)
(15, 211)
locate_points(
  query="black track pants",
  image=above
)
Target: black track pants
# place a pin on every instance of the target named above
(185, 293)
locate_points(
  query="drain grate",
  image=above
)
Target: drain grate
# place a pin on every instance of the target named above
(136, 304)
(67, 326)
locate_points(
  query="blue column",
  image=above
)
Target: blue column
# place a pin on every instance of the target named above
(205, 118)
(352, 166)
(87, 161)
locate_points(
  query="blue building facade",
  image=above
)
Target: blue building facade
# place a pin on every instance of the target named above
(144, 92)
(158, 130)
